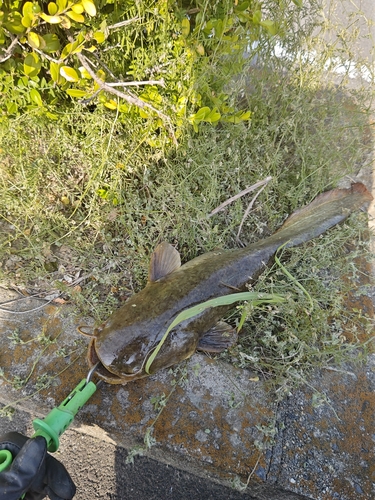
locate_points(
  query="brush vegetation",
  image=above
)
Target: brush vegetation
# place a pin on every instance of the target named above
(89, 188)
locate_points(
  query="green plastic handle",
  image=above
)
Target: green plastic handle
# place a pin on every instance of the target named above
(5, 459)
(57, 420)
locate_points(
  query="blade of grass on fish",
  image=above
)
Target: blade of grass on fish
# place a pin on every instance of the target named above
(254, 297)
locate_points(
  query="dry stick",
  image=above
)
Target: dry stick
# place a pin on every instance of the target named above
(123, 23)
(247, 212)
(242, 193)
(138, 84)
(129, 98)
(9, 51)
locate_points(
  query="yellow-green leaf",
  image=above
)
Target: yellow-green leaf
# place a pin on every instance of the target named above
(55, 72)
(77, 8)
(67, 50)
(99, 36)
(84, 72)
(69, 73)
(51, 19)
(65, 23)
(213, 117)
(71, 48)
(33, 39)
(76, 93)
(32, 64)
(27, 20)
(61, 4)
(36, 97)
(201, 114)
(27, 8)
(52, 8)
(78, 18)
(89, 7)
(185, 27)
(111, 104)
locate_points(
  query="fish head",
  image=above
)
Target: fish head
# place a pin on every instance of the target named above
(124, 343)
(121, 349)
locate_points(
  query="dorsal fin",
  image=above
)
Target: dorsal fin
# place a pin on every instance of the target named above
(164, 260)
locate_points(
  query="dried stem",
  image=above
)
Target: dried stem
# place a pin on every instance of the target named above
(242, 193)
(131, 99)
(9, 51)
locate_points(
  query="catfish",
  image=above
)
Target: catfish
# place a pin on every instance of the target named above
(121, 346)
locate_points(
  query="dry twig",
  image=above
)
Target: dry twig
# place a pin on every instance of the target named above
(131, 99)
(242, 193)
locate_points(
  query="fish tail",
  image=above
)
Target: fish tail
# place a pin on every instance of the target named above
(325, 211)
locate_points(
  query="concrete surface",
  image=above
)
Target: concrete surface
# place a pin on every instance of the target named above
(209, 426)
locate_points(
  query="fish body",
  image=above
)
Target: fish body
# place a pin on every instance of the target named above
(124, 342)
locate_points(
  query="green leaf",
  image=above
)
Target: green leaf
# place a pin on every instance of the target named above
(36, 97)
(243, 6)
(201, 114)
(12, 108)
(89, 7)
(213, 117)
(14, 25)
(257, 16)
(69, 73)
(299, 3)
(270, 26)
(76, 93)
(185, 27)
(254, 297)
(219, 28)
(52, 42)
(55, 72)
(32, 64)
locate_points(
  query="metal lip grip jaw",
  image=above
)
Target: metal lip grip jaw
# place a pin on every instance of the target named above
(58, 419)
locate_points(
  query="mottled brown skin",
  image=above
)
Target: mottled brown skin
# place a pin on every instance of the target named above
(128, 337)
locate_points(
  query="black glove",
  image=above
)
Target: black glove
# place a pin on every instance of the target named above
(33, 471)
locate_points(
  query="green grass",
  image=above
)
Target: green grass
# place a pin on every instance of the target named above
(90, 195)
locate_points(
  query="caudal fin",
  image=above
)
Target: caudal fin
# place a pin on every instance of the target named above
(327, 210)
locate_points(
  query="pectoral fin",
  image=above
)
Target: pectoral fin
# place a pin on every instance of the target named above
(218, 338)
(164, 260)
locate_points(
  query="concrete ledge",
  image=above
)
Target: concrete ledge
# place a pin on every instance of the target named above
(211, 424)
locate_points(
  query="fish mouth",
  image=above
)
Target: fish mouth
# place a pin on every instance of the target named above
(102, 372)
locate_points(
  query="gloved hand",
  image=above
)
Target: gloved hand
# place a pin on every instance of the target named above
(33, 471)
